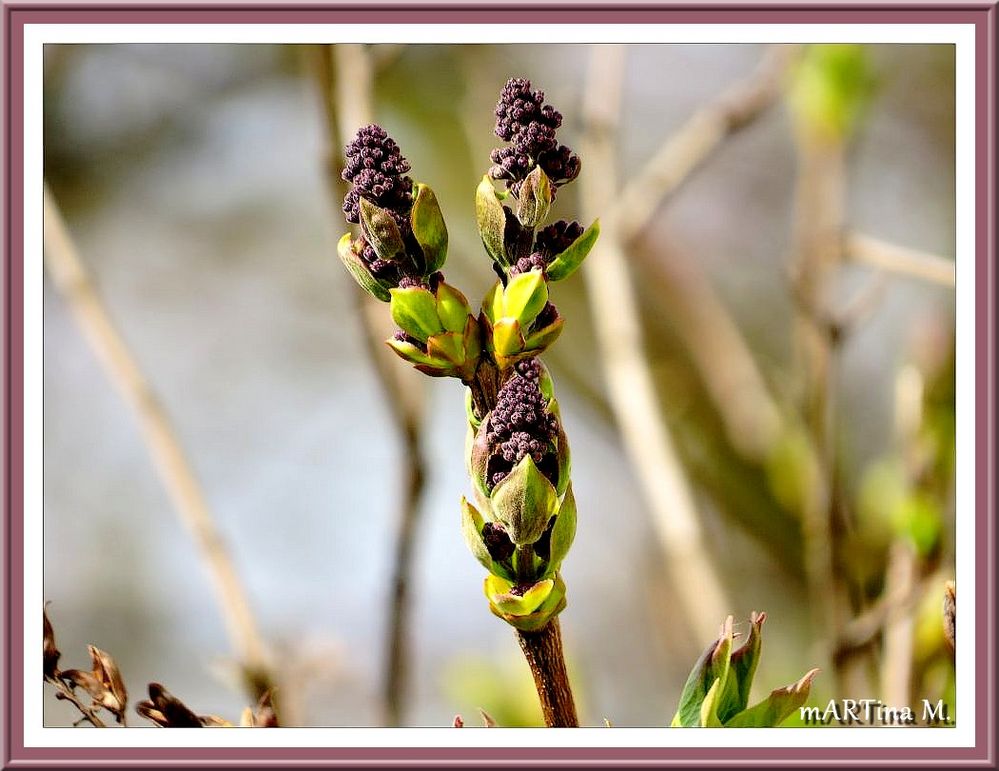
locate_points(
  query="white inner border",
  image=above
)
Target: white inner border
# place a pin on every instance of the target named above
(35, 36)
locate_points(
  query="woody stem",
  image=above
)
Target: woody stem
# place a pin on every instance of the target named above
(543, 651)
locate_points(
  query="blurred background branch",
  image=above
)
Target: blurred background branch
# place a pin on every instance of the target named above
(73, 282)
(345, 75)
(900, 260)
(630, 384)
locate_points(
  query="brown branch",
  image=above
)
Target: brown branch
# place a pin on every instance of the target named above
(345, 75)
(630, 383)
(71, 279)
(543, 651)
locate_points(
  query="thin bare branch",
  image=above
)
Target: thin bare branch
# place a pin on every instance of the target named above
(71, 279)
(630, 383)
(345, 75)
(900, 260)
(695, 141)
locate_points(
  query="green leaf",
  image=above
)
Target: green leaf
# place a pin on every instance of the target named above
(507, 339)
(743, 665)
(562, 452)
(712, 665)
(524, 502)
(409, 352)
(539, 340)
(535, 198)
(777, 707)
(471, 528)
(382, 232)
(473, 421)
(491, 220)
(414, 310)
(551, 607)
(492, 303)
(709, 707)
(566, 263)
(525, 296)
(356, 267)
(428, 227)
(521, 605)
(563, 532)
(447, 346)
(452, 308)
(472, 340)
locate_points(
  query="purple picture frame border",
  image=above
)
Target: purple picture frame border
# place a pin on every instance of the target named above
(15, 15)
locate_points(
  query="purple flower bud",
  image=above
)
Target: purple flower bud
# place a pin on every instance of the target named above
(374, 166)
(498, 543)
(520, 425)
(376, 169)
(530, 126)
(556, 238)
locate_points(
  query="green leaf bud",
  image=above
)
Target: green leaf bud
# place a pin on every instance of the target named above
(382, 231)
(491, 220)
(534, 198)
(428, 227)
(356, 267)
(523, 502)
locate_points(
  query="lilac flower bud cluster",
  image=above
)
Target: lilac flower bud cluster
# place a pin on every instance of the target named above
(548, 244)
(519, 425)
(530, 125)
(375, 168)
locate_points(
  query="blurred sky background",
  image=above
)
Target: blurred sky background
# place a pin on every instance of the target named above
(192, 180)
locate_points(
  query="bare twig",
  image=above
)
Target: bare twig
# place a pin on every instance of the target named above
(345, 76)
(631, 387)
(74, 284)
(695, 141)
(65, 693)
(900, 260)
